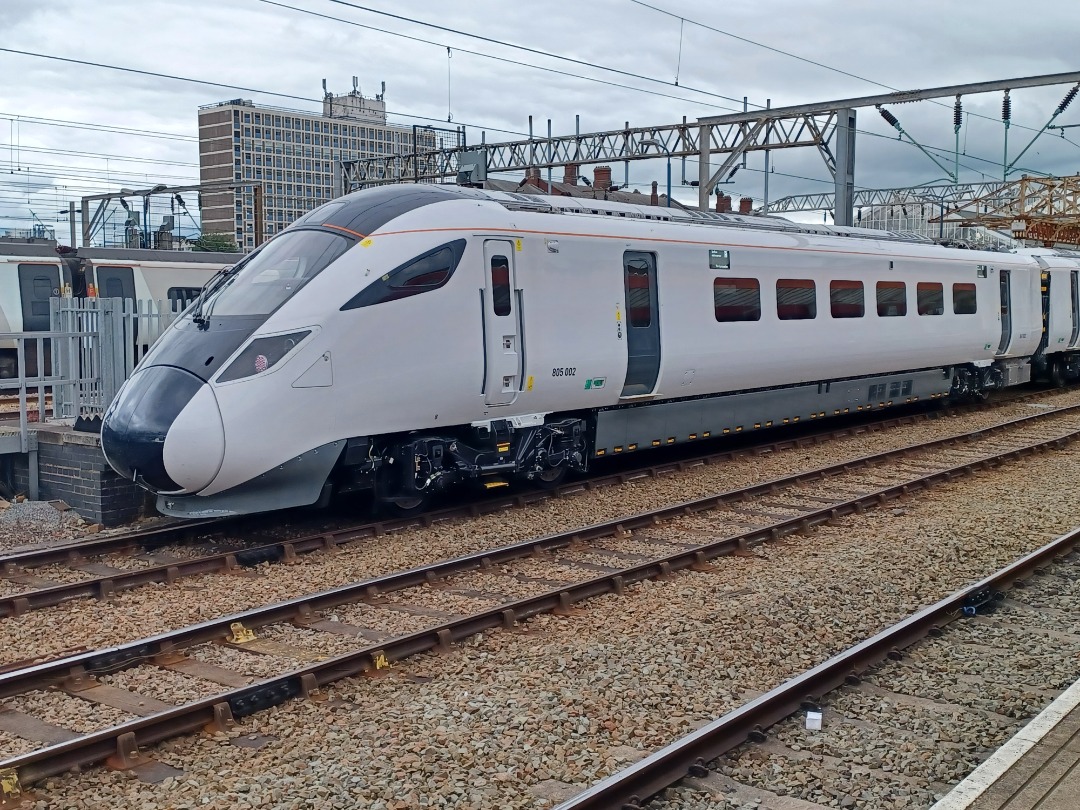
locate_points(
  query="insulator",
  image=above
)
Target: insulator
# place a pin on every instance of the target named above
(888, 116)
(1006, 108)
(1065, 102)
(957, 114)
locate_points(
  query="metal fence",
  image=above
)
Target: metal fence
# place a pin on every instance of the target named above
(74, 370)
(122, 331)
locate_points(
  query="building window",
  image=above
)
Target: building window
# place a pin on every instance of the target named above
(963, 299)
(736, 299)
(891, 299)
(931, 298)
(846, 299)
(796, 299)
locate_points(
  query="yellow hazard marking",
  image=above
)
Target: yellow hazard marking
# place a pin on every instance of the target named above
(240, 634)
(381, 662)
(618, 313)
(517, 245)
(529, 383)
(367, 242)
(9, 783)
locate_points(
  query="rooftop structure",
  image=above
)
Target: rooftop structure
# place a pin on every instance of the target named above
(294, 154)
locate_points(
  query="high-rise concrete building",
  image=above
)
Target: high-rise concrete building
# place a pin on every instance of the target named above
(295, 155)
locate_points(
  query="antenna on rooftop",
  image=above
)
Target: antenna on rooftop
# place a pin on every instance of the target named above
(356, 84)
(325, 93)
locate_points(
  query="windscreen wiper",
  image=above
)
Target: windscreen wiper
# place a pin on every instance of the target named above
(208, 289)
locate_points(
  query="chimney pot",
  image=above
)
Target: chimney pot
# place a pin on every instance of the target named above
(745, 205)
(570, 174)
(654, 199)
(602, 177)
(723, 203)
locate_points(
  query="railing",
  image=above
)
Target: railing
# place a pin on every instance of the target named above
(122, 332)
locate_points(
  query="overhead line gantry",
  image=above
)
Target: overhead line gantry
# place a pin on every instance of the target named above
(829, 126)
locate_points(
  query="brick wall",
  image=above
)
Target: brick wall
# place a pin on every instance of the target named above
(72, 468)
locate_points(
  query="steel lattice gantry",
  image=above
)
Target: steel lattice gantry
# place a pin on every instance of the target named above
(949, 195)
(1043, 209)
(829, 126)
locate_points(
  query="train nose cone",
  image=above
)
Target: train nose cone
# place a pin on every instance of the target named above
(164, 431)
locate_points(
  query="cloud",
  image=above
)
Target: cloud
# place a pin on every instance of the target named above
(255, 45)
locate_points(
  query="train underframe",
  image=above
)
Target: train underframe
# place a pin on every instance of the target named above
(405, 471)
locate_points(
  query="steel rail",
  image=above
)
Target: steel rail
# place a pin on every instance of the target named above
(124, 740)
(174, 532)
(105, 586)
(629, 788)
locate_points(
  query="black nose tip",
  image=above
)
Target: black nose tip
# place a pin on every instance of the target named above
(133, 432)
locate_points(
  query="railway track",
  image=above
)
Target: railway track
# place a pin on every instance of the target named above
(378, 621)
(905, 715)
(102, 567)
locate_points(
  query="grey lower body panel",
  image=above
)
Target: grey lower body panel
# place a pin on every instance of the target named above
(297, 482)
(643, 426)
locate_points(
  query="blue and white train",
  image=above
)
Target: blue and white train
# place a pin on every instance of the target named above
(407, 339)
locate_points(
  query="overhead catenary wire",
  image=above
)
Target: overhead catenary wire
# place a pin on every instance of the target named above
(506, 60)
(208, 83)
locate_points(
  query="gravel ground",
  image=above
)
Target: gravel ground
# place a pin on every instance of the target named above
(510, 719)
(163, 607)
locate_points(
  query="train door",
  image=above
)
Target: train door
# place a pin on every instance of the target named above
(1075, 289)
(118, 282)
(37, 284)
(1006, 312)
(642, 323)
(115, 282)
(502, 325)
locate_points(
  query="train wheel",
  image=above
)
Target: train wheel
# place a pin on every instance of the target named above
(406, 507)
(549, 479)
(1057, 375)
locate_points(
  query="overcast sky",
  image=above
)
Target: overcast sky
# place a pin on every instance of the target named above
(67, 130)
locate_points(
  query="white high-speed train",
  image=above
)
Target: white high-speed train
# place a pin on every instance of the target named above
(32, 272)
(410, 338)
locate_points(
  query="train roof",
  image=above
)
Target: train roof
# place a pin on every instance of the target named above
(47, 248)
(368, 210)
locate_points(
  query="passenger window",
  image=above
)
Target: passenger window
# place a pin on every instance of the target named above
(931, 298)
(500, 285)
(846, 299)
(963, 299)
(180, 297)
(891, 299)
(796, 299)
(426, 272)
(638, 299)
(737, 299)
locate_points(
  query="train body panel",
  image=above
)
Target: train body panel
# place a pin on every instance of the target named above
(405, 340)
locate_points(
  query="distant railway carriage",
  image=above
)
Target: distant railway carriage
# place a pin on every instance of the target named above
(32, 272)
(407, 339)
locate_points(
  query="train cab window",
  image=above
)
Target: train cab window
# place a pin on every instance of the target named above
(737, 299)
(846, 299)
(270, 276)
(796, 299)
(963, 299)
(931, 298)
(426, 272)
(500, 285)
(891, 299)
(638, 295)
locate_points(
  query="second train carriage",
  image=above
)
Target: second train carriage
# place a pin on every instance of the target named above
(33, 272)
(411, 338)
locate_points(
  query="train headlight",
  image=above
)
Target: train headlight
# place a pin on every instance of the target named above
(262, 354)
